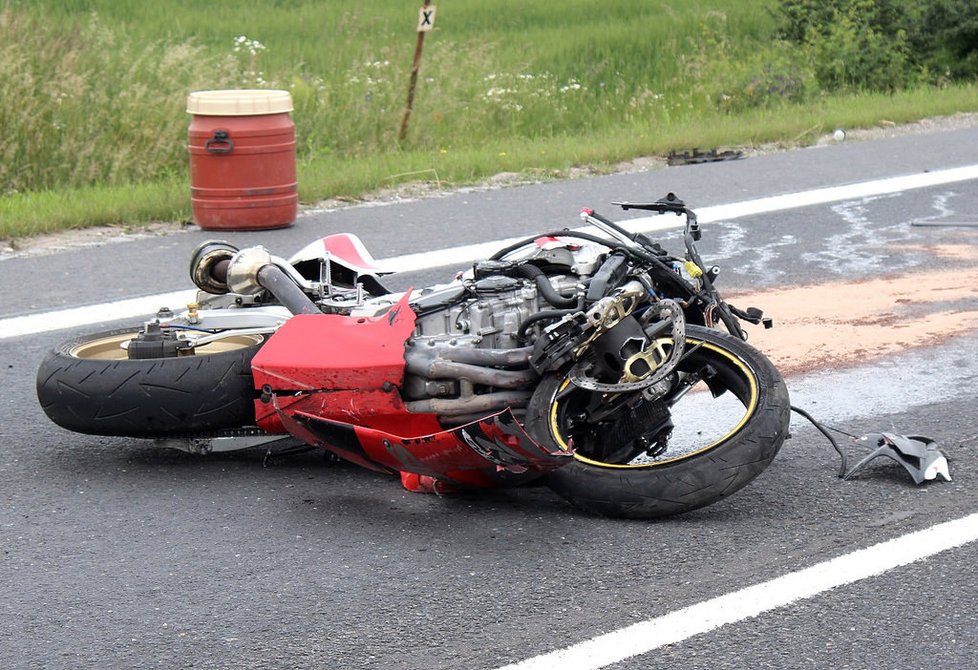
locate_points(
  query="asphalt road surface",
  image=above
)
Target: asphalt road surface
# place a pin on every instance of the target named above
(119, 554)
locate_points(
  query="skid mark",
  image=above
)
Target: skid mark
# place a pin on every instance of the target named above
(860, 247)
(733, 239)
(869, 241)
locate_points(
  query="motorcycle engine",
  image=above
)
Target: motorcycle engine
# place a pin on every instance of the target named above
(484, 310)
(466, 357)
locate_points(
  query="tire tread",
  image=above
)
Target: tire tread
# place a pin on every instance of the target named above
(147, 397)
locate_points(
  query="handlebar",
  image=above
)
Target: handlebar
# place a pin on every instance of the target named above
(672, 204)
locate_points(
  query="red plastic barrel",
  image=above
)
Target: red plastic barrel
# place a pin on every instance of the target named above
(242, 159)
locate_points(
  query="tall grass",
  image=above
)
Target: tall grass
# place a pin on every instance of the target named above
(93, 91)
(83, 104)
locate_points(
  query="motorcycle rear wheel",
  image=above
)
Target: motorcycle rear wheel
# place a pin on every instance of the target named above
(89, 385)
(602, 480)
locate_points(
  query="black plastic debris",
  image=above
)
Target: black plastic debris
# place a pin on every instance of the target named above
(944, 224)
(696, 156)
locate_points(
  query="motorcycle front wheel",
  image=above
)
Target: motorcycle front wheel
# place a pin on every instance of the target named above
(89, 385)
(722, 423)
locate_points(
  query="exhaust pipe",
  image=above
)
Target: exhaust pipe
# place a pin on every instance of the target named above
(280, 285)
(218, 267)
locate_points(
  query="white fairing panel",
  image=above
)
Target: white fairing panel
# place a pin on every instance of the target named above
(344, 248)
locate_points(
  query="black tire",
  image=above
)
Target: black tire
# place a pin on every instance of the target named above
(674, 483)
(88, 385)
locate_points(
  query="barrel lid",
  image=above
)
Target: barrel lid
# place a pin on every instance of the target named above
(239, 102)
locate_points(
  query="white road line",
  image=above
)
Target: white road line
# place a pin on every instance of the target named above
(457, 256)
(646, 636)
(86, 316)
(647, 224)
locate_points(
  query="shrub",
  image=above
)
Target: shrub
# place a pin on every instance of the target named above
(946, 39)
(852, 44)
(883, 45)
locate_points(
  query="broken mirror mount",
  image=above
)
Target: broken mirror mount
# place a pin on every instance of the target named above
(917, 454)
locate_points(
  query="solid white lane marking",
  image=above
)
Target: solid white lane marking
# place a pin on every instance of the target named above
(458, 256)
(647, 224)
(92, 314)
(821, 196)
(649, 635)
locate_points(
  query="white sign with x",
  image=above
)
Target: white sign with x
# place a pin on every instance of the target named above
(426, 18)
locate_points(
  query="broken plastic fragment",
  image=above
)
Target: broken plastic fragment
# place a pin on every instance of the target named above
(917, 454)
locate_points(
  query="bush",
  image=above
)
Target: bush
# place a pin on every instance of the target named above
(764, 78)
(852, 44)
(946, 39)
(883, 45)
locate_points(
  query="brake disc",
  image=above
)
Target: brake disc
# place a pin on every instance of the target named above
(660, 356)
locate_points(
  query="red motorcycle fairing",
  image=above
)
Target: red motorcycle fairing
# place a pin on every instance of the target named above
(359, 359)
(494, 451)
(333, 381)
(345, 247)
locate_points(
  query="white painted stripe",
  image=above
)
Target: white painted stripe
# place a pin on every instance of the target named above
(646, 636)
(460, 256)
(457, 256)
(821, 196)
(86, 316)
(647, 224)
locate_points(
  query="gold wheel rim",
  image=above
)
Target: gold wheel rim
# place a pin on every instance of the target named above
(109, 348)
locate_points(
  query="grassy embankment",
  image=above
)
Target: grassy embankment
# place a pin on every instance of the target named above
(92, 93)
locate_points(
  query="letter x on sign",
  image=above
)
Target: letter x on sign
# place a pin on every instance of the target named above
(426, 19)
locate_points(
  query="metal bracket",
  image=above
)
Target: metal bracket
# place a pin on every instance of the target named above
(210, 445)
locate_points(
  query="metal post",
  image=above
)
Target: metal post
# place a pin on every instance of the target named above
(422, 29)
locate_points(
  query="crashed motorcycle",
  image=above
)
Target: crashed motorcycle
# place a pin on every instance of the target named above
(589, 359)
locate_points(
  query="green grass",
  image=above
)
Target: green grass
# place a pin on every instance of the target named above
(92, 93)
